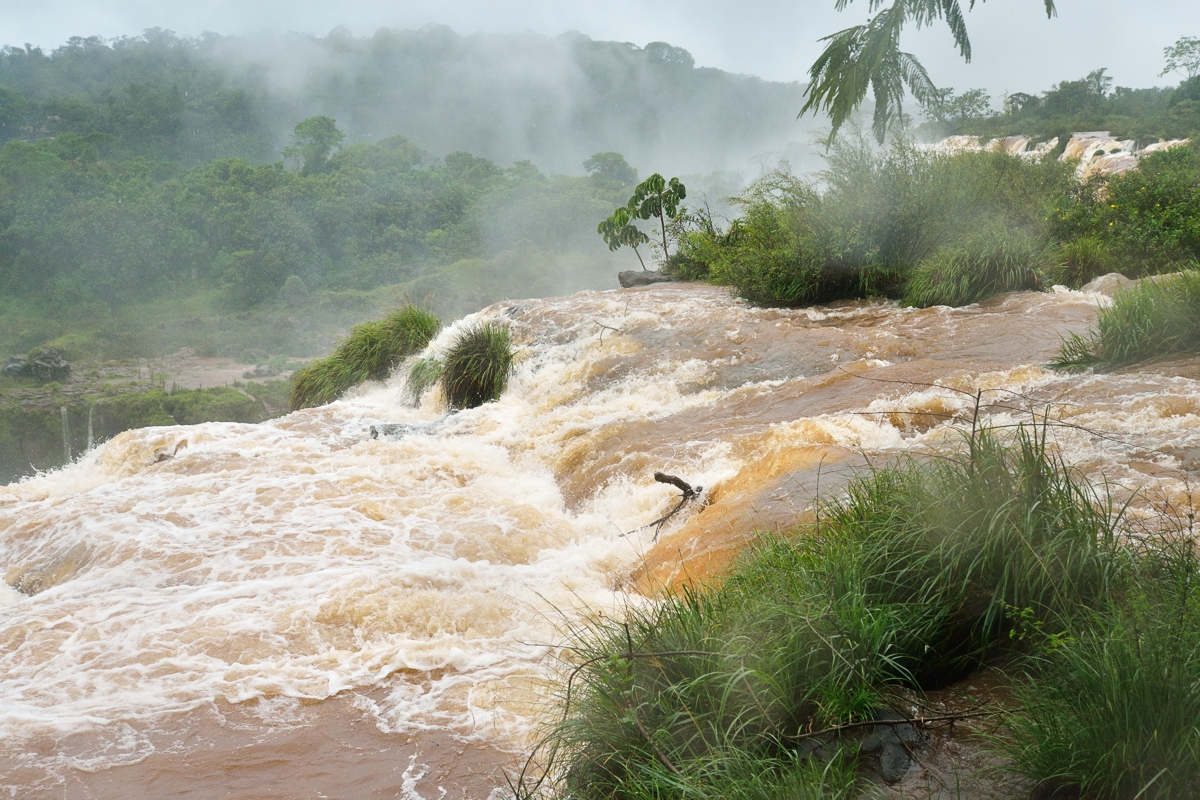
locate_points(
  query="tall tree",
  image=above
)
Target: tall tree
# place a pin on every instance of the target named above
(1183, 56)
(313, 143)
(867, 58)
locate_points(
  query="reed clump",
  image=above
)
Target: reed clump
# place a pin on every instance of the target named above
(1154, 318)
(983, 265)
(918, 576)
(370, 352)
(477, 366)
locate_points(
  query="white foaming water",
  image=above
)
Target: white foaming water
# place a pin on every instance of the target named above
(177, 567)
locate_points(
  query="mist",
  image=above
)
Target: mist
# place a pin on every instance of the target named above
(1016, 47)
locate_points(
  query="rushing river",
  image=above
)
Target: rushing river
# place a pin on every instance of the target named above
(295, 609)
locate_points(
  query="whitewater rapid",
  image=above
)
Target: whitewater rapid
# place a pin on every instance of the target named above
(187, 570)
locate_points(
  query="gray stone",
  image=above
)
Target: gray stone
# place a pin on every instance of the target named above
(261, 371)
(46, 364)
(891, 742)
(631, 278)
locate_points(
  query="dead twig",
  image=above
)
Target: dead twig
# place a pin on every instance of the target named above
(604, 328)
(921, 721)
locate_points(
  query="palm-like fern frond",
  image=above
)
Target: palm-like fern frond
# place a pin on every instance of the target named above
(868, 58)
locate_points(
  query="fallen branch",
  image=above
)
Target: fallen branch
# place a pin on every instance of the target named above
(921, 721)
(689, 493)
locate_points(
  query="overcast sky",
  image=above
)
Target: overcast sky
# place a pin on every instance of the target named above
(1016, 47)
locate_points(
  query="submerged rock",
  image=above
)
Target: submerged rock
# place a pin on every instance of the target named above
(398, 430)
(892, 742)
(1107, 284)
(631, 278)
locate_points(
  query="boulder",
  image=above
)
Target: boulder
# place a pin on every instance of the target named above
(1107, 284)
(46, 364)
(892, 743)
(632, 278)
(261, 371)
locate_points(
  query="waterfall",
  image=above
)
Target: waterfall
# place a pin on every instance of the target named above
(298, 575)
(66, 435)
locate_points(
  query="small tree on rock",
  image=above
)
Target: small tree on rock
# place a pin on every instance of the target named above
(654, 197)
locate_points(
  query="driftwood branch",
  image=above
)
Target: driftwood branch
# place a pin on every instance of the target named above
(604, 328)
(689, 493)
(678, 483)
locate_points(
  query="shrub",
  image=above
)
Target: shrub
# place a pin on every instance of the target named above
(477, 366)
(984, 265)
(370, 352)
(1147, 220)
(779, 252)
(1155, 317)
(874, 217)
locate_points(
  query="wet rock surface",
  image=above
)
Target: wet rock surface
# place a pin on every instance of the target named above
(891, 744)
(46, 364)
(632, 278)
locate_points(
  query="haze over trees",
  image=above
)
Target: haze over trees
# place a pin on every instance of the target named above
(504, 97)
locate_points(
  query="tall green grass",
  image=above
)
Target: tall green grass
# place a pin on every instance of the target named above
(477, 366)
(1153, 318)
(423, 376)
(370, 352)
(982, 265)
(1113, 710)
(914, 578)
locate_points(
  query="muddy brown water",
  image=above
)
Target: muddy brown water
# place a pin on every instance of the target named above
(295, 609)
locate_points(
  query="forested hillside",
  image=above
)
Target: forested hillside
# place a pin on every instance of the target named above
(504, 97)
(1088, 104)
(85, 237)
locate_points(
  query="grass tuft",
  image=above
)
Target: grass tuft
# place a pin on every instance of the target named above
(424, 374)
(1153, 318)
(477, 366)
(370, 352)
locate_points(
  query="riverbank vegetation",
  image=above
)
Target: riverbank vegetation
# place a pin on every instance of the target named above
(925, 571)
(1152, 319)
(1090, 103)
(931, 228)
